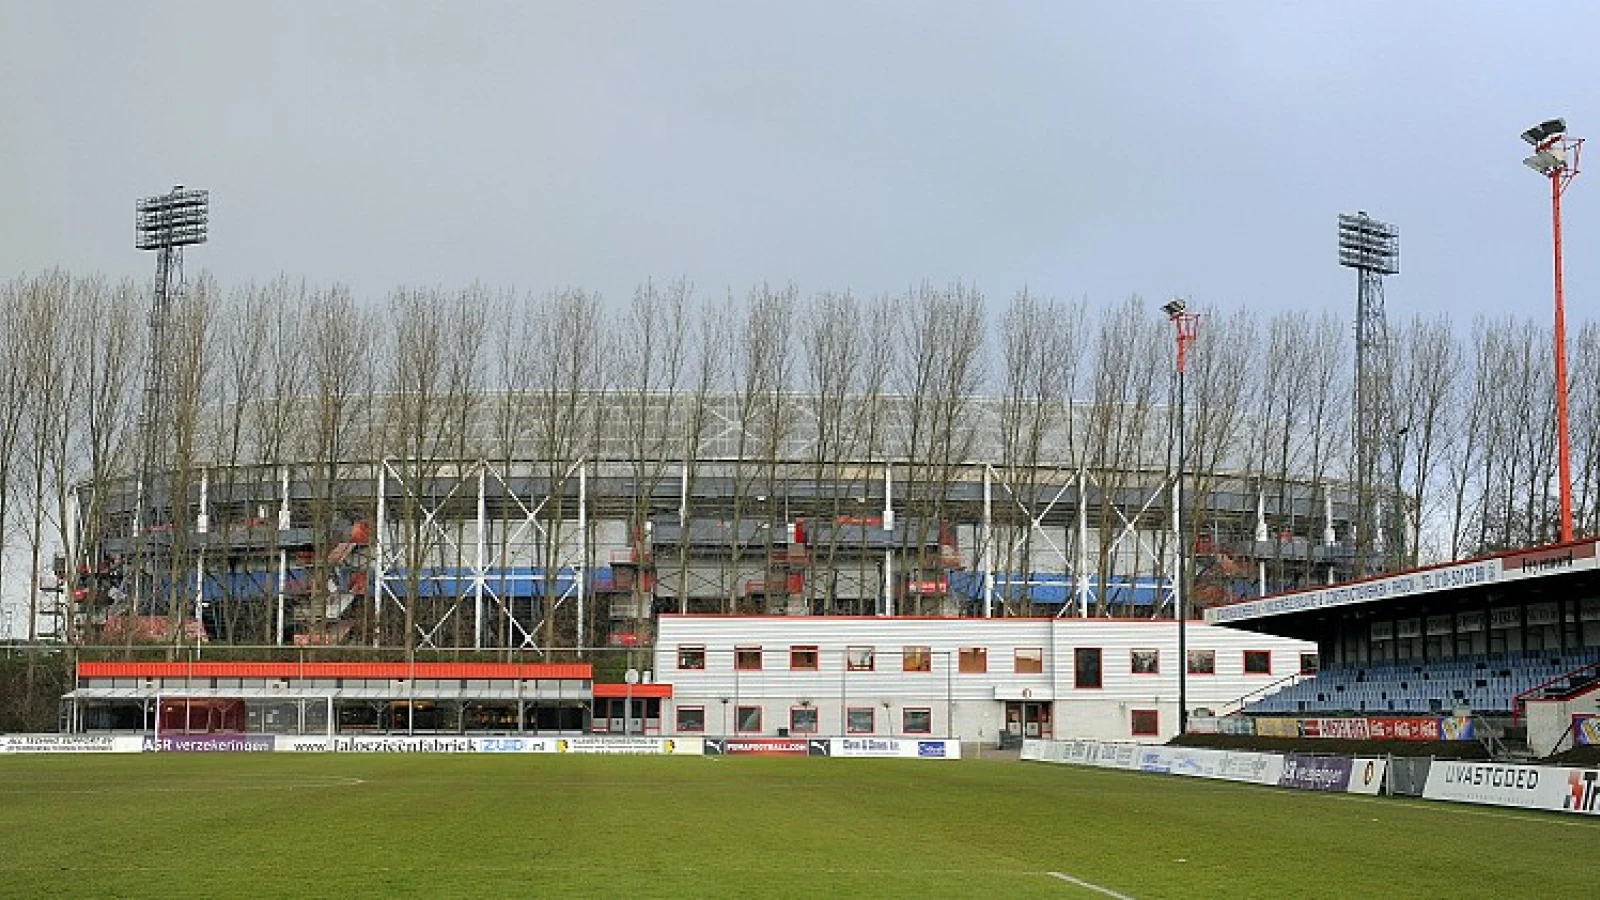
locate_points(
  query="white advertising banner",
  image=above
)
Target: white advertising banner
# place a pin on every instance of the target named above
(301, 743)
(895, 748)
(1366, 774)
(1228, 765)
(70, 743)
(653, 746)
(1552, 788)
(405, 744)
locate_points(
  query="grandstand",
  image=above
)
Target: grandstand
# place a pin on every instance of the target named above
(497, 545)
(1511, 642)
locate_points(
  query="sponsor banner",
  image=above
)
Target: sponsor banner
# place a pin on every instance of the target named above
(1366, 774)
(758, 747)
(1315, 773)
(1586, 729)
(1279, 728)
(1034, 750)
(1405, 584)
(1341, 729)
(302, 743)
(649, 746)
(368, 743)
(208, 743)
(69, 743)
(1372, 728)
(516, 745)
(895, 748)
(1205, 725)
(1404, 728)
(1495, 783)
(1228, 765)
(1240, 725)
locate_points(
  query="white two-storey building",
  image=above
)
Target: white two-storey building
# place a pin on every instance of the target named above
(971, 679)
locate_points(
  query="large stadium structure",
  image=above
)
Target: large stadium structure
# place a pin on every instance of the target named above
(505, 533)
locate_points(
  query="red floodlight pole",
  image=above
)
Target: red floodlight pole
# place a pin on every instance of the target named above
(1555, 156)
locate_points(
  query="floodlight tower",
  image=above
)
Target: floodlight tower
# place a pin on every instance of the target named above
(1372, 248)
(165, 223)
(1555, 156)
(1187, 325)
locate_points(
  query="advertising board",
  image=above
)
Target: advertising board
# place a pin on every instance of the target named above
(894, 748)
(761, 747)
(634, 746)
(1366, 774)
(1553, 788)
(399, 743)
(1315, 773)
(69, 743)
(208, 743)
(1586, 729)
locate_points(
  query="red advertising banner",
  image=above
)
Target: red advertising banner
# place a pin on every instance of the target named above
(1407, 728)
(1390, 728)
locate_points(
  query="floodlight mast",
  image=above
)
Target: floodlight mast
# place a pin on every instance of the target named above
(1187, 325)
(165, 223)
(1555, 156)
(1372, 248)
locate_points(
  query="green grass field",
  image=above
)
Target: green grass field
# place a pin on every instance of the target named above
(279, 825)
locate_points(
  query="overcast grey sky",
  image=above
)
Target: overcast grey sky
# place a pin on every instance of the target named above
(1080, 149)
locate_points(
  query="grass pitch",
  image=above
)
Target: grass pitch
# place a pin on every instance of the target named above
(279, 825)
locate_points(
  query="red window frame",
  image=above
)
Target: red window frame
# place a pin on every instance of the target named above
(1078, 682)
(1211, 654)
(850, 659)
(1248, 654)
(905, 725)
(684, 649)
(740, 657)
(1034, 666)
(738, 720)
(872, 720)
(799, 655)
(916, 658)
(979, 660)
(816, 720)
(1155, 661)
(678, 720)
(1150, 718)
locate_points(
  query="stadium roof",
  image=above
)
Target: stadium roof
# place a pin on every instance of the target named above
(1533, 571)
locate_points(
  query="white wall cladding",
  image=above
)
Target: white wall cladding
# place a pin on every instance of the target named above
(964, 705)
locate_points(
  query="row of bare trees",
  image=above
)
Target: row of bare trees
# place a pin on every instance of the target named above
(749, 390)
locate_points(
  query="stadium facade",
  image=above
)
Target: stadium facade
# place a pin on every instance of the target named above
(505, 531)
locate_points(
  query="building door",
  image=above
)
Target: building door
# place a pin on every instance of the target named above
(1028, 719)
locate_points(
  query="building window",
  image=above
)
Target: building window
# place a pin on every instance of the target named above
(1144, 662)
(1086, 667)
(1202, 662)
(1309, 664)
(974, 660)
(916, 721)
(803, 658)
(858, 720)
(691, 657)
(691, 718)
(1258, 662)
(1145, 722)
(747, 659)
(859, 659)
(802, 720)
(747, 719)
(1029, 661)
(916, 659)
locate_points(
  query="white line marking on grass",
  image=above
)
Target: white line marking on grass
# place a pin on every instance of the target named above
(1089, 885)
